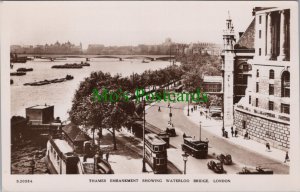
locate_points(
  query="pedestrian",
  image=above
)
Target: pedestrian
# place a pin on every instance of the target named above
(159, 109)
(232, 132)
(268, 148)
(287, 158)
(107, 156)
(206, 140)
(192, 110)
(226, 134)
(235, 133)
(246, 136)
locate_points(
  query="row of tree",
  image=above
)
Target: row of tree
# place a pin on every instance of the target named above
(95, 116)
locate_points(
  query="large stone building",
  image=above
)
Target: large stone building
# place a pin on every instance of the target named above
(264, 111)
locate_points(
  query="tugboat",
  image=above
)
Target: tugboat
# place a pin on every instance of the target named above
(84, 64)
(24, 69)
(17, 74)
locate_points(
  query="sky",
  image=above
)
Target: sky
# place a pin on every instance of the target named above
(123, 23)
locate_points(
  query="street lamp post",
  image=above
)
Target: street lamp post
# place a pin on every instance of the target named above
(200, 131)
(170, 114)
(144, 163)
(185, 158)
(95, 161)
(188, 113)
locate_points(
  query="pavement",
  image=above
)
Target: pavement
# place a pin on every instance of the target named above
(215, 127)
(127, 159)
(242, 156)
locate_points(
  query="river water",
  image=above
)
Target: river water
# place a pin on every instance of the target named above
(61, 94)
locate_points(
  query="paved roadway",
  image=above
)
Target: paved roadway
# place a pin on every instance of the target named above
(240, 155)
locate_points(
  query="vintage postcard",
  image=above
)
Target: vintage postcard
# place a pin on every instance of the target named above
(150, 96)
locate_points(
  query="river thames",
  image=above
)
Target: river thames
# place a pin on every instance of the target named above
(61, 94)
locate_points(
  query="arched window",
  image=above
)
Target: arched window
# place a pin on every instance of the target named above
(257, 73)
(285, 84)
(271, 74)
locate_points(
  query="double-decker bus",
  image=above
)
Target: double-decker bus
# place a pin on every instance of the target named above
(195, 148)
(156, 153)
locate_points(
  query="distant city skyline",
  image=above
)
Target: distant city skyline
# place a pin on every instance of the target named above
(123, 23)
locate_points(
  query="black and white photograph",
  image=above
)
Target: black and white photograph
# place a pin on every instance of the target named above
(195, 94)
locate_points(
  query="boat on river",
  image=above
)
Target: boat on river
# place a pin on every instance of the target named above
(24, 69)
(46, 82)
(71, 66)
(17, 73)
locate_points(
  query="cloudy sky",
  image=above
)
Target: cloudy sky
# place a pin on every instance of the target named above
(123, 23)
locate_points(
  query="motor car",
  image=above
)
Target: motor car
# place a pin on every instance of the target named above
(225, 159)
(257, 170)
(216, 166)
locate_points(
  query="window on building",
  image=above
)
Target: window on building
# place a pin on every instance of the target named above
(259, 51)
(285, 84)
(256, 102)
(244, 124)
(271, 89)
(271, 74)
(259, 19)
(249, 99)
(257, 87)
(259, 34)
(271, 105)
(285, 108)
(257, 73)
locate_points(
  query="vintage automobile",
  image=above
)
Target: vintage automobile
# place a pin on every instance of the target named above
(225, 159)
(216, 166)
(257, 170)
(171, 130)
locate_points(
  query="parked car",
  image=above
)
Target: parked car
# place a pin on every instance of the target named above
(257, 170)
(216, 166)
(225, 159)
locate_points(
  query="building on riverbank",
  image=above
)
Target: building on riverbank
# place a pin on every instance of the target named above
(264, 111)
(75, 137)
(213, 84)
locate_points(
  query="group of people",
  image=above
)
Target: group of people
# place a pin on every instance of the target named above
(233, 132)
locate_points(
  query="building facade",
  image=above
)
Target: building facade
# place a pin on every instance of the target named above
(212, 84)
(264, 111)
(40, 114)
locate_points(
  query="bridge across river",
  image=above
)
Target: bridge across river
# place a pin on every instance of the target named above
(88, 57)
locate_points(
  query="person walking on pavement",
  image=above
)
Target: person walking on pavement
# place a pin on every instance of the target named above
(235, 133)
(268, 146)
(287, 158)
(232, 132)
